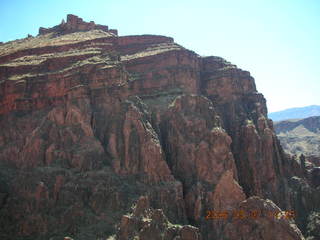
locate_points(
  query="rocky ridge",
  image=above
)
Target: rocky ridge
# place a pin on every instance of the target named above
(93, 123)
(300, 136)
(296, 113)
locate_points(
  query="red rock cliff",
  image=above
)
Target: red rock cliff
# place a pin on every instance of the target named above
(92, 121)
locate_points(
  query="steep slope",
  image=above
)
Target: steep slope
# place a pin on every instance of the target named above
(91, 122)
(295, 113)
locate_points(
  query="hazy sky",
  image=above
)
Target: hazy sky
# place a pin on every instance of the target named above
(278, 41)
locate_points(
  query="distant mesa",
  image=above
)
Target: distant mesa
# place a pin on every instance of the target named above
(76, 24)
(295, 113)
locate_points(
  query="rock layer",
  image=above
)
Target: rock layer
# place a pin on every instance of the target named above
(92, 121)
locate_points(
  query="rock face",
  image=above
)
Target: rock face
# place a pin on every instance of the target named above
(243, 111)
(269, 223)
(146, 223)
(91, 122)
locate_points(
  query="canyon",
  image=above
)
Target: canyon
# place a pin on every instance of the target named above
(136, 137)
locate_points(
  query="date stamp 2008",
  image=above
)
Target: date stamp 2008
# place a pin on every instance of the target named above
(253, 214)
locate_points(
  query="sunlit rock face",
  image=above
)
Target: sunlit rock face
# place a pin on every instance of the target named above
(133, 136)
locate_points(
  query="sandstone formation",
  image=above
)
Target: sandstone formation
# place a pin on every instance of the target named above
(93, 123)
(301, 138)
(75, 24)
(146, 223)
(269, 223)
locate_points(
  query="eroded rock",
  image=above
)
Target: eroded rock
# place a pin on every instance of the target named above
(91, 121)
(147, 223)
(269, 223)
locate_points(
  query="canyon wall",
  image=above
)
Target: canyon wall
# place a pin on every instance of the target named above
(107, 136)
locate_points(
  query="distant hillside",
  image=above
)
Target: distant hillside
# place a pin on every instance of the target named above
(300, 136)
(296, 113)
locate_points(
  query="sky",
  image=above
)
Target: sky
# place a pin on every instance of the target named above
(278, 41)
